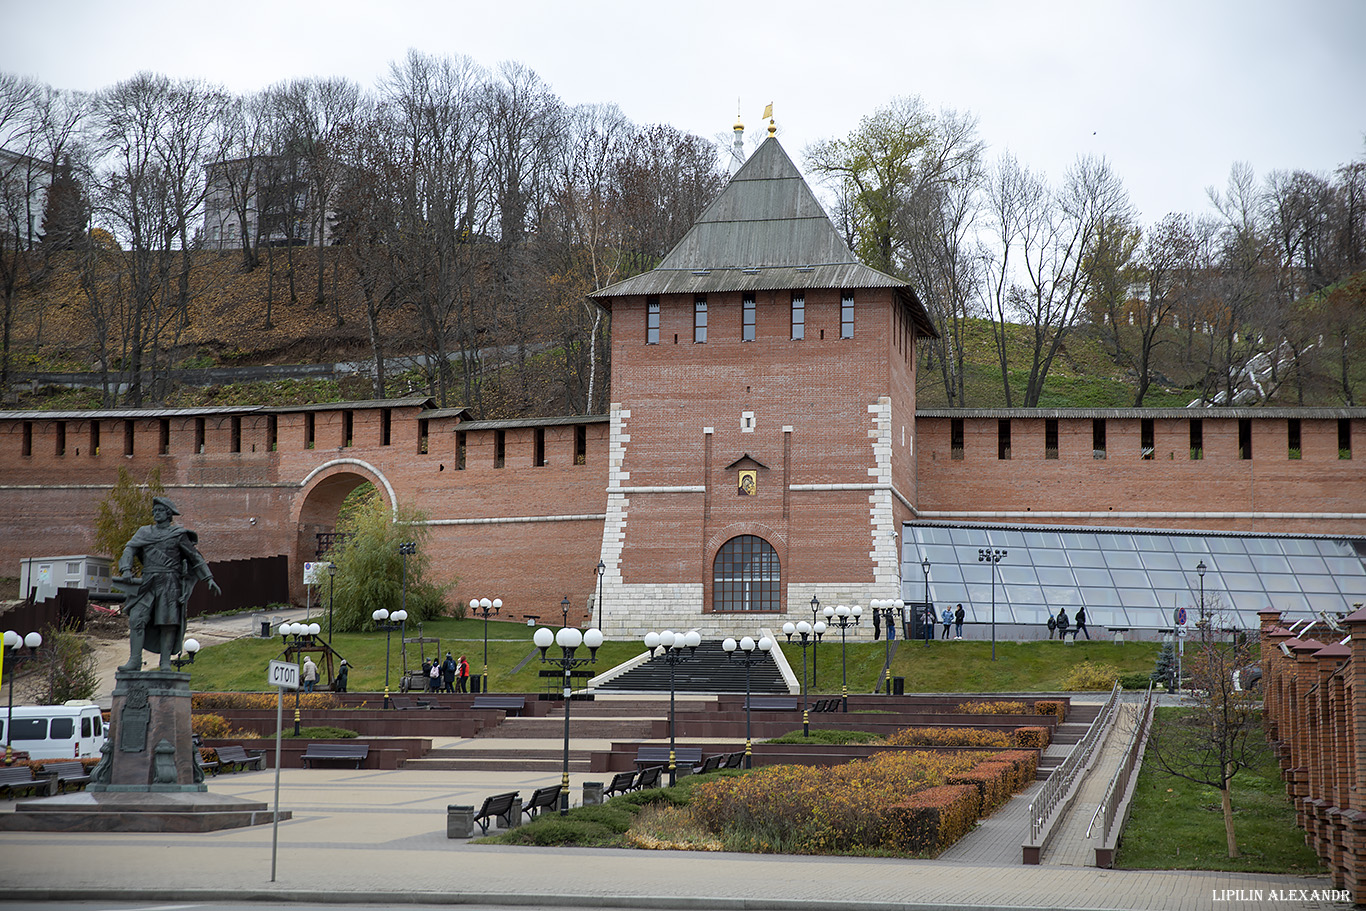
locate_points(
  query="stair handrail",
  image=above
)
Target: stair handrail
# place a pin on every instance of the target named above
(1060, 781)
(1119, 782)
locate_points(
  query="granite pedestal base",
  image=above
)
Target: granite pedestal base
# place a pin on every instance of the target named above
(124, 811)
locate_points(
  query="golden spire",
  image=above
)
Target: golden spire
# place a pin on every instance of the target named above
(768, 112)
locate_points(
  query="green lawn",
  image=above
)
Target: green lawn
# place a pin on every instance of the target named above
(946, 666)
(1179, 825)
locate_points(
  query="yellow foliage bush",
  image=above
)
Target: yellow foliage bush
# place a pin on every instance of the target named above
(1055, 707)
(1088, 676)
(211, 726)
(934, 818)
(948, 737)
(1031, 738)
(211, 702)
(991, 708)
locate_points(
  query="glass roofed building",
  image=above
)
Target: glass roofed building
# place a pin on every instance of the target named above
(1131, 579)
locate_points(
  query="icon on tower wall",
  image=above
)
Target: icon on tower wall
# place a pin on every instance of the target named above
(748, 483)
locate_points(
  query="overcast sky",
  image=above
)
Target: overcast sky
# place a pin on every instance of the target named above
(1172, 92)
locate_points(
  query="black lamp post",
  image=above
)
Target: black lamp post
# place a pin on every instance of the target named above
(331, 592)
(388, 622)
(843, 617)
(1200, 571)
(12, 642)
(993, 556)
(568, 640)
(748, 658)
(602, 569)
(485, 606)
(406, 549)
(808, 634)
(672, 645)
(925, 566)
(302, 633)
(564, 609)
(815, 616)
(189, 649)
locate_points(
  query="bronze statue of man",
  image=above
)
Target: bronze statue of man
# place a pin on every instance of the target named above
(171, 564)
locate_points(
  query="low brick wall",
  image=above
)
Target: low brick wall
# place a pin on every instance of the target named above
(389, 753)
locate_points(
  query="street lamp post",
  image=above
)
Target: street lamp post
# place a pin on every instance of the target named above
(843, 617)
(809, 634)
(331, 592)
(568, 640)
(485, 606)
(602, 569)
(189, 649)
(1200, 571)
(993, 556)
(564, 609)
(301, 632)
(748, 658)
(672, 645)
(388, 622)
(406, 549)
(925, 566)
(12, 642)
(815, 616)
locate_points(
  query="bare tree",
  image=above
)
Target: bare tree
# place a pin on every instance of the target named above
(1220, 734)
(20, 173)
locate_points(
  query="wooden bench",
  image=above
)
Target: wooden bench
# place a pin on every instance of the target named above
(499, 807)
(408, 702)
(66, 774)
(547, 798)
(710, 764)
(683, 756)
(236, 758)
(207, 766)
(648, 777)
(772, 704)
(19, 778)
(734, 760)
(334, 752)
(513, 705)
(622, 782)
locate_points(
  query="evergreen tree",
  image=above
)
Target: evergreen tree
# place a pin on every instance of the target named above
(67, 213)
(1165, 671)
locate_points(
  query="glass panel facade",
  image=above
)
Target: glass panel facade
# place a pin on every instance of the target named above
(1129, 578)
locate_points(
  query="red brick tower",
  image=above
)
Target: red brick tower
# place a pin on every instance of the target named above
(762, 424)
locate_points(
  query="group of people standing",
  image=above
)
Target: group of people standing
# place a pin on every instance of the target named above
(450, 675)
(1060, 624)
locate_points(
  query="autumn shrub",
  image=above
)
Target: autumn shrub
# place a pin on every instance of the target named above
(1089, 676)
(210, 726)
(813, 810)
(991, 779)
(932, 819)
(948, 737)
(1031, 738)
(991, 708)
(1055, 707)
(213, 702)
(1024, 766)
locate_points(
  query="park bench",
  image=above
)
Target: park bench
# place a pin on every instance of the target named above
(66, 773)
(206, 766)
(772, 704)
(710, 764)
(499, 807)
(408, 702)
(547, 798)
(236, 758)
(335, 752)
(683, 756)
(734, 760)
(621, 783)
(648, 777)
(513, 705)
(19, 778)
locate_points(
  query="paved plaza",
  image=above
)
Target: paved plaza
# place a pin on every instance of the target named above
(380, 837)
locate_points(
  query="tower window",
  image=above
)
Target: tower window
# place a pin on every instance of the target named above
(747, 327)
(1003, 439)
(580, 445)
(847, 316)
(199, 435)
(956, 439)
(1344, 438)
(499, 448)
(538, 456)
(652, 321)
(1050, 438)
(1197, 439)
(798, 316)
(746, 576)
(1292, 436)
(1098, 438)
(699, 320)
(1245, 438)
(236, 443)
(1145, 439)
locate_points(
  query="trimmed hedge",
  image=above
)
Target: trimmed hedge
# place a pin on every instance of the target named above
(934, 819)
(1054, 707)
(1031, 738)
(211, 702)
(991, 708)
(948, 737)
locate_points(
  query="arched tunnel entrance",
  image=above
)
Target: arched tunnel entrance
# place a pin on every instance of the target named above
(318, 509)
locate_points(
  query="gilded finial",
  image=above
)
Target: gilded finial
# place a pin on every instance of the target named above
(768, 112)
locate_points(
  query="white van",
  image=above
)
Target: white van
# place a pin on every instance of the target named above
(71, 731)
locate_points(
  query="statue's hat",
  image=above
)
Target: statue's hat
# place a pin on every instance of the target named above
(163, 501)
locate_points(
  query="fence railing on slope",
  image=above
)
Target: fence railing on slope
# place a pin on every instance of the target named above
(1045, 804)
(1108, 811)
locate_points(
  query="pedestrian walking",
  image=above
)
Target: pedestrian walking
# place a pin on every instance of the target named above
(1063, 623)
(877, 625)
(462, 674)
(958, 616)
(891, 625)
(1081, 624)
(929, 621)
(948, 621)
(339, 684)
(433, 675)
(1052, 625)
(310, 674)
(448, 674)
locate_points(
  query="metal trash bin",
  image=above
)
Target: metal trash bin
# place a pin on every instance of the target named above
(898, 686)
(265, 629)
(475, 680)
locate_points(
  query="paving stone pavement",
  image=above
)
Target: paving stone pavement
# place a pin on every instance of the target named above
(380, 836)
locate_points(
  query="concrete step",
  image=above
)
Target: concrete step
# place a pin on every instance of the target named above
(551, 726)
(510, 764)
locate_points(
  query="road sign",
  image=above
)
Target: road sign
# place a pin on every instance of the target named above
(1180, 616)
(284, 675)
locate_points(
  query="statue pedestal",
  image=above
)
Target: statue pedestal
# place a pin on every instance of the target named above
(152, 748)
(148, 779)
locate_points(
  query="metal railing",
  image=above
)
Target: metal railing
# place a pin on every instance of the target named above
(1043, 805)
(1119, 783)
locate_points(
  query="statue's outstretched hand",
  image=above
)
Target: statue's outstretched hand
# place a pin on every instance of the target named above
(213, 587)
